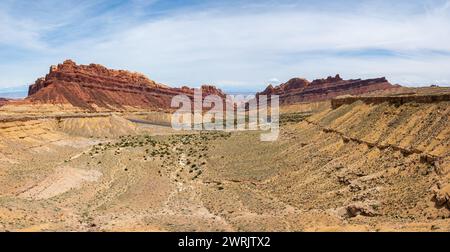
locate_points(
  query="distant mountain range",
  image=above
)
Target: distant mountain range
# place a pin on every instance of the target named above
(14, 92)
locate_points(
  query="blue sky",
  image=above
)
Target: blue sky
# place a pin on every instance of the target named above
(238, 45)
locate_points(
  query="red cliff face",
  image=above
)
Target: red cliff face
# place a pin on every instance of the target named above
(300, 90)
(291, 85)
(94, 86)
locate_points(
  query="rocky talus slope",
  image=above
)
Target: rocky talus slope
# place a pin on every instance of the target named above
(391, 160)
(361, 166)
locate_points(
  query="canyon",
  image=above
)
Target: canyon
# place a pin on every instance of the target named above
(91, 149)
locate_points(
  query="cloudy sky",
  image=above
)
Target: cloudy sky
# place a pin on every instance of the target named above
(238, 45)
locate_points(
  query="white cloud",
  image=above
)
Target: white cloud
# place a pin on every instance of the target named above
(207, 47)
(19, 32)
(244, 49)
(274, 81)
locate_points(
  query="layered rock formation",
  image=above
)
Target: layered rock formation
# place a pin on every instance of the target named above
(398, 100)
(301, 90)
(95, 87)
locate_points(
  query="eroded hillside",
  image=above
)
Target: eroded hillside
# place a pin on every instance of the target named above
(357, 167)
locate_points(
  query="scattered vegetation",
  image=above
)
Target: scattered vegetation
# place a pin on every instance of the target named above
(295, 117)
(187, 151)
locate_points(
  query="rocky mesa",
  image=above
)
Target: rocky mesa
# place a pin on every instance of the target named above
(301, 90)
(95, 87)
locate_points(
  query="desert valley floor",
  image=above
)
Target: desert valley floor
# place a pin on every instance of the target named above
(365, 167)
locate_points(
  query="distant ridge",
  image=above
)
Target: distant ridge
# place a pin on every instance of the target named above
(301, 90)
(14, 92)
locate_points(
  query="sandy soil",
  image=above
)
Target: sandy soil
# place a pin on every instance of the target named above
(357, 168)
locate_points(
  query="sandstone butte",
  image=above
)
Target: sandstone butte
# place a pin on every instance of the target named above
(301, 90)
(94, 86)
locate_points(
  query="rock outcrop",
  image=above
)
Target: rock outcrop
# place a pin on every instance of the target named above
(301, 90)
(94, 86)
(399, 100)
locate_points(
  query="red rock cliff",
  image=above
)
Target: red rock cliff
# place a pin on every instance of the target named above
(301, 90)
(94, 86)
